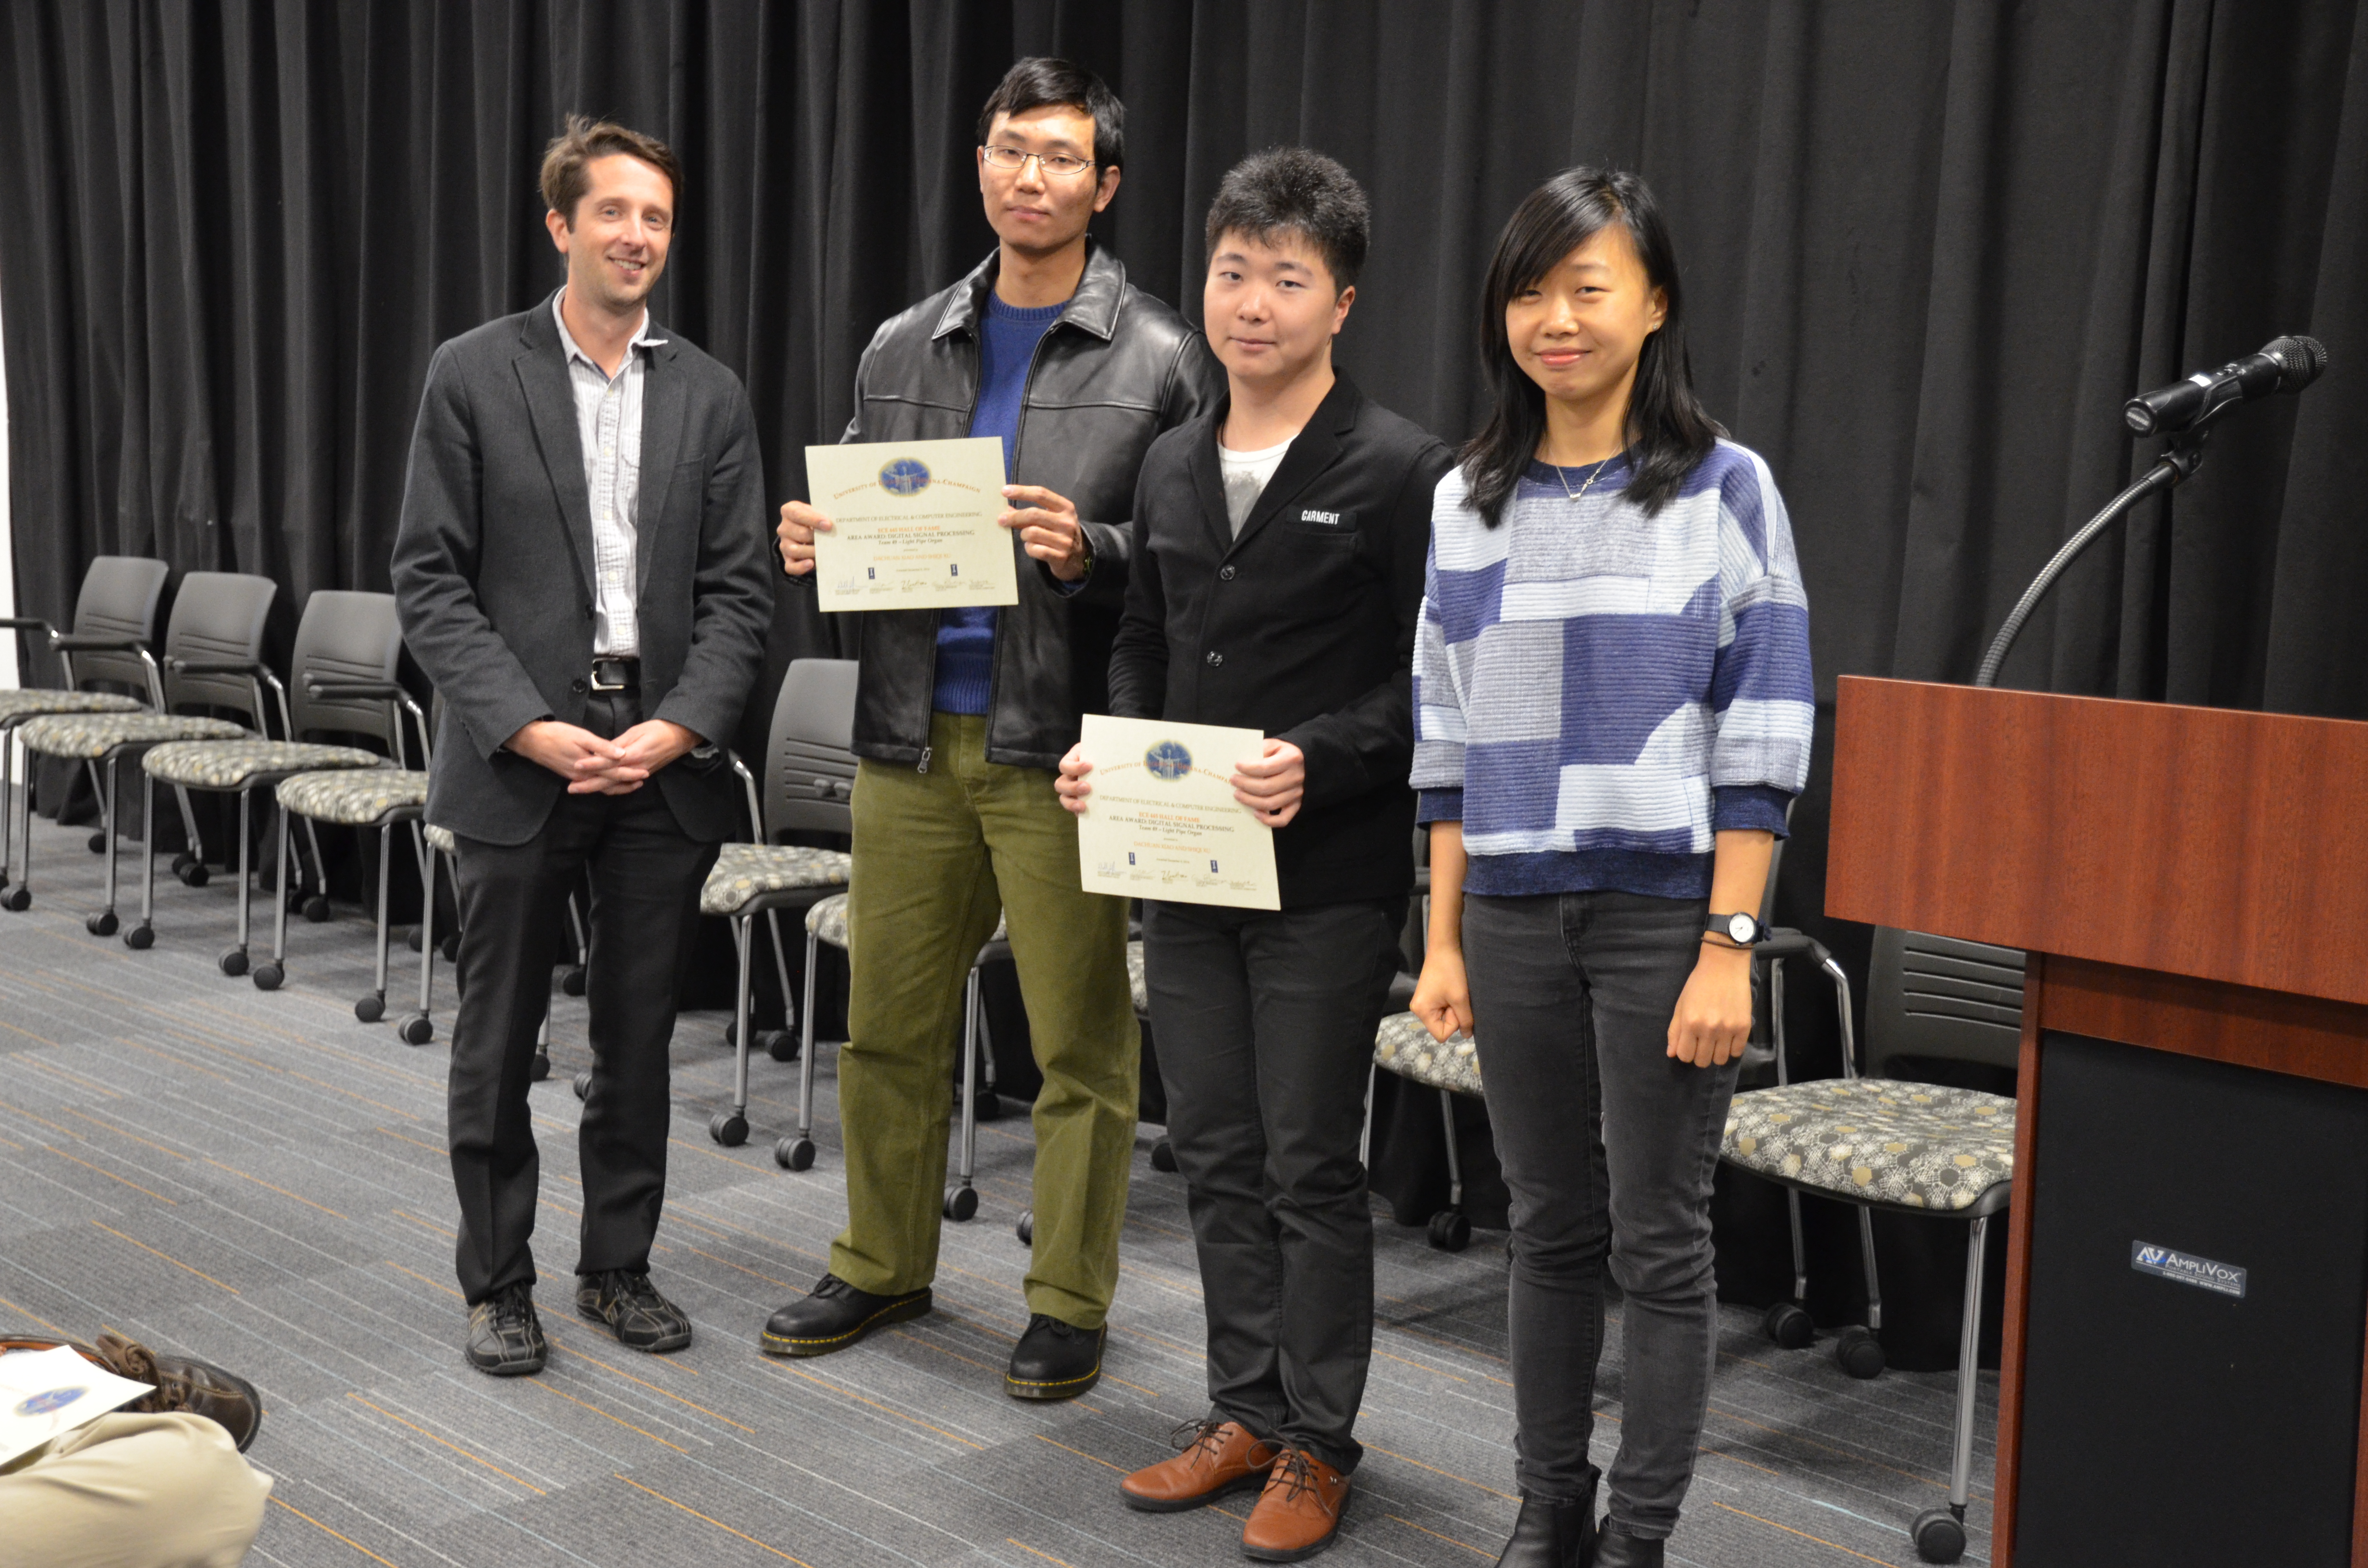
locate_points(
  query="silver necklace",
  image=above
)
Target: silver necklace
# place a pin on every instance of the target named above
(1580, 494)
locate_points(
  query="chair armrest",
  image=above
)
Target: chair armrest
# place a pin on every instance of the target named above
(354, 691)
(1783, 942)
(25, 623)
(71, 642)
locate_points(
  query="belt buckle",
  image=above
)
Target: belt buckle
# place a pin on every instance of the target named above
(599, 685)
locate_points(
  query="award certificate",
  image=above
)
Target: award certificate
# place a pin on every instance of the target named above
(46, 1393)
(912, 525)
(1162, 821)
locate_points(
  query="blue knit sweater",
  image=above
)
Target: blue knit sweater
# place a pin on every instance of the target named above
(1598, 691)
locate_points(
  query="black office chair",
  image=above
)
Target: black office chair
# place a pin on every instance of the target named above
(1905, 1147)
(114, 628)
(808, 780)
(342, 637)
(213, 653)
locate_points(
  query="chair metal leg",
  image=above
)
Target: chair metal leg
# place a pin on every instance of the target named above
(320, 861)
(144, 934)
(731, 1128)
(961, 1199)
(417, 1028)
(106, 798)
(1365, 1138)
(1969, 1345)
(1866, 1254)
(798, 1153)
(1800, 1250)
(190, 823)
(21, 896)
(1450, 1228)
(782, 971)
(107, 916)
(372, 1008)
(9, 801)
(268, 975)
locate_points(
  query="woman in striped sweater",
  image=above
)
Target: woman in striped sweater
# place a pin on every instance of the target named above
(1613, 712)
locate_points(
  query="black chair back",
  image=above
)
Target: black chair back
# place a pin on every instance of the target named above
(352, 638)
(1940, 999)
(119, 599)
(218, 617)
(809, 769)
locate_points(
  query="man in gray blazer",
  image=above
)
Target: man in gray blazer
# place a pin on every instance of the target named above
(582, 572)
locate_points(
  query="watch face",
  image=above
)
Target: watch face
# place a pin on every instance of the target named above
(1742, 928)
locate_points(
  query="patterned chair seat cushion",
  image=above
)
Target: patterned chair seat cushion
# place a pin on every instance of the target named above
(440, 839)
(827, 922)
(1916, 1145)
(1404, 1045)
(233, 764)
(32, 702)
(1134, 980)
(745, 872)
(354, 797)
(95, 734)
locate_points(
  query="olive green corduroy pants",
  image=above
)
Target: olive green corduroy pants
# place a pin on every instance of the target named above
(937, 855)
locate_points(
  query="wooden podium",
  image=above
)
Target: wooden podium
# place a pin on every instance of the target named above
(2186, 880)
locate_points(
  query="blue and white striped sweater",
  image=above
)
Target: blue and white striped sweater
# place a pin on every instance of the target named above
(1597, 691)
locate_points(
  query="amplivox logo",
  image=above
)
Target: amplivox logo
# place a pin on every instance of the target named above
(2169, 1263)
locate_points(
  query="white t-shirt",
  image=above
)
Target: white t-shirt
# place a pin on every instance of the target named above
(1245, 476)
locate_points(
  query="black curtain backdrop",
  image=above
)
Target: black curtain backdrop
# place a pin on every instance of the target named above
(1928, 250)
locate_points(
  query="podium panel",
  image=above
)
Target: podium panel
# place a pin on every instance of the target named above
(2198, 1290)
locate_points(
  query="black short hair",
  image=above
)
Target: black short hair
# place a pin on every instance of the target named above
(1042, 79)
(1295, 190)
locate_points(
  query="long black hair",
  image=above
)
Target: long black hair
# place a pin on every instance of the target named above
(1668, 429)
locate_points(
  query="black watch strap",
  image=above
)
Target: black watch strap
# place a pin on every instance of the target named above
(1724, 925)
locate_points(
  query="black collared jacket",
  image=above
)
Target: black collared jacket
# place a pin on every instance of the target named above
(1302, 627)
(1117, 369)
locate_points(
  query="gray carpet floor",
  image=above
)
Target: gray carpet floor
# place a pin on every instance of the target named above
(259, 1179)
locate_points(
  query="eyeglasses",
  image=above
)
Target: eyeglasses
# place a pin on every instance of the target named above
(1061, 163)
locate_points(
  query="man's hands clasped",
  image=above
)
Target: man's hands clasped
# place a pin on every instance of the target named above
(594, 765)
(1046, 522)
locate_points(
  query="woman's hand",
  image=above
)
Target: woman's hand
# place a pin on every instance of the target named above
(1713, 1017)
(1070, 783)
(1442, 997)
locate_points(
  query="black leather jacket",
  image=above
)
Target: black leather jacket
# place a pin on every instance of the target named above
(1117, 369)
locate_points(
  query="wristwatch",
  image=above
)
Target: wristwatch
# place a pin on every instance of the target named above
(1743, 930)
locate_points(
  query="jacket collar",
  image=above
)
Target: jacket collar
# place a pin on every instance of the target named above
(1315, 449)
(1093, 308)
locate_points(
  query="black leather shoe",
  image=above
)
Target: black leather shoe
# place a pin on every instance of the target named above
(1613, 1549)
(634, 1312)
(836, 1315)
(1053, 1361)
(505, 1336)
(1551, 1535)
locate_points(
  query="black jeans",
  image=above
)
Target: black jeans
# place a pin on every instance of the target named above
(646, 874)
(1264, 1023)
(1607, 1146)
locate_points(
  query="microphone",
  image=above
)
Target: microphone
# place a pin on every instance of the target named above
(2283, 364)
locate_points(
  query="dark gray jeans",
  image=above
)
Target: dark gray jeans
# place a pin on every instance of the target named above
(1264, 1024)
(1608, 1147)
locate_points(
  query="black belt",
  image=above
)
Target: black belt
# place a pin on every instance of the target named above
(616, 675)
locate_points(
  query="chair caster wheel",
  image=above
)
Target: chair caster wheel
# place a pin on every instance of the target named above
(100, 925)
(584, 1085)
(182, 862)
(795, 1154)
(17, 900)
(232, 962)
(779, 1044)
(572, 982)
(1162, 1156)
(316, 909)
(732, 1035)
(140, 938)
(267, 976)
(370, 1009)
(961, 1203)
(728, 1128)
(1026, 1229)
(989, 1107)
(189, 869)
(1449, 1230)
(412, 939)
(1788, 1325)
(1861, 1355)
(1940, 1536)
(98, 843)
(416, 1028)
(540, 1068)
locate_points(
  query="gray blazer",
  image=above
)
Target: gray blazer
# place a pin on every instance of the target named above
(494, 571)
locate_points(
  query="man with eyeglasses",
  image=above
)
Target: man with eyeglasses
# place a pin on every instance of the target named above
(962, 715)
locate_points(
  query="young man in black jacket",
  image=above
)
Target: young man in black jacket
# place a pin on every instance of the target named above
(1278, 574)
(960, 717)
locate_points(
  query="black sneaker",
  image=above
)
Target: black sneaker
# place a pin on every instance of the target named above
(1053, 1361)
(836, 1315)
(640, 1317)
(505, 1336)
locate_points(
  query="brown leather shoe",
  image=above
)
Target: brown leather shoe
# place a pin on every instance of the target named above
(1298, 1515)
(181, 1383)
(1219, 1457)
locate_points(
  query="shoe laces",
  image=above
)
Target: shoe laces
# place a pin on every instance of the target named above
(1296, 1472)
(1199, 1441)
(130, 1359)
(633, 1286)
(513, 1307)
(1060, 1330)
